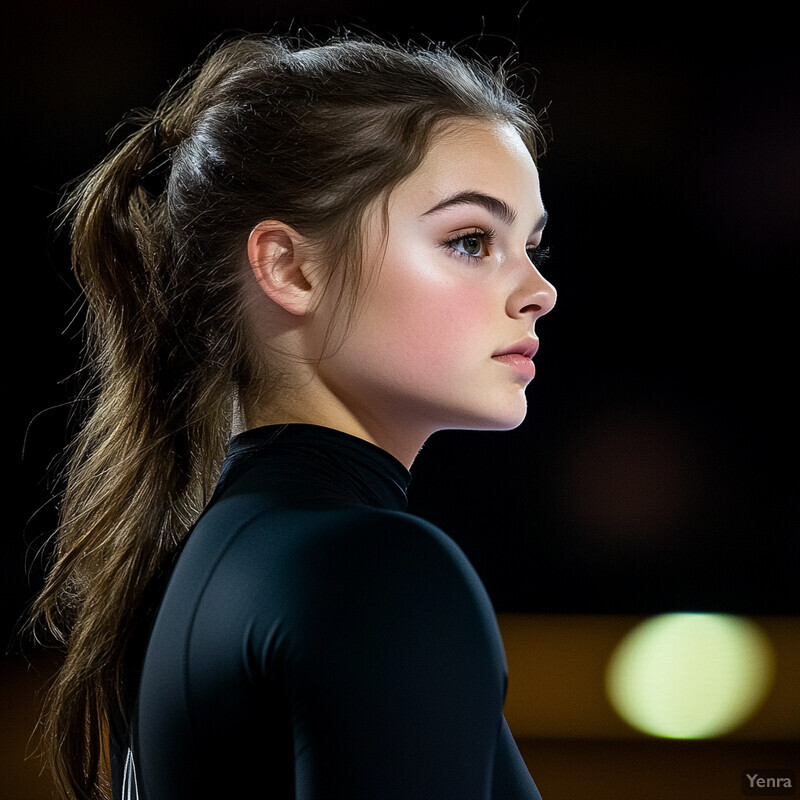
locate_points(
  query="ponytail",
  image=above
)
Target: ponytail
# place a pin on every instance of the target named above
(262, 130)
(147, 455)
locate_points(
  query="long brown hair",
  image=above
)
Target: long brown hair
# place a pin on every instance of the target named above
(262, 127)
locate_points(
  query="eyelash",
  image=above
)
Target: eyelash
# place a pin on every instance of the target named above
(486, 238)
(537, 255)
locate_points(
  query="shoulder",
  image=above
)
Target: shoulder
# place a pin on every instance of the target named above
(350, 552)
(355, 569)
(364, 549)
(316, 542)
(386, 537)
(391, 584)
(395, 557)
(375, 601)
(316, 598)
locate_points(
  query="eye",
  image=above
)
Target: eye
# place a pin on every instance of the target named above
(473, 245)
(538, 255)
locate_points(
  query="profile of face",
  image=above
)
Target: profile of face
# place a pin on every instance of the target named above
(445, 333)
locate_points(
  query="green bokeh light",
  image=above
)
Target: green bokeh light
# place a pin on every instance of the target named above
(690, 676)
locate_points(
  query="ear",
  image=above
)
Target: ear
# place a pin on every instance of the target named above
(278, 256)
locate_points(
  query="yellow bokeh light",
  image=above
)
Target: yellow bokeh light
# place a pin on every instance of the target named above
(690, 676)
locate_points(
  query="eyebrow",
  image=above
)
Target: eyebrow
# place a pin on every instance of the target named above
(493, 205)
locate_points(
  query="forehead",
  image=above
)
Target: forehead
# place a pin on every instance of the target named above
(492, 139)
(473, 156)
(479, 156)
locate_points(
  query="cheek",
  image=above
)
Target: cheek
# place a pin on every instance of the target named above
(441, 318)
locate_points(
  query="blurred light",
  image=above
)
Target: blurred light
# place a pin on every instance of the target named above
(690, 676)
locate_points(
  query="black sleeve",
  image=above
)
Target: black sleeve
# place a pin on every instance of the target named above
(349, 653)
(511, 779)
(393, 665)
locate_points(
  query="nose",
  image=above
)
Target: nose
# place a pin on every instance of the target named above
(535, 296)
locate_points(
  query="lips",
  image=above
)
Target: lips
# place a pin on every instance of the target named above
(526, 348)
(519, 357)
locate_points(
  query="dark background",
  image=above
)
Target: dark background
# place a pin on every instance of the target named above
(656, 470)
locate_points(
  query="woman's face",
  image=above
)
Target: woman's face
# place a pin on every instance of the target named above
(444, 334)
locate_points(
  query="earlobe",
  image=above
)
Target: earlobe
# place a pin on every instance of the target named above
(277, 256)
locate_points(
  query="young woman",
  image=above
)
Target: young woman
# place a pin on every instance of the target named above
(313, 258)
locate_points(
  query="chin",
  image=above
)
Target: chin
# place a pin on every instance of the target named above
(510, 415)
(497, 419)
(507, 424)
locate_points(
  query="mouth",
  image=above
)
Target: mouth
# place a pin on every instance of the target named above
(526, 348)
(519, 357)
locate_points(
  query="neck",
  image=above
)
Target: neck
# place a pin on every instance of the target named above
(403, 446)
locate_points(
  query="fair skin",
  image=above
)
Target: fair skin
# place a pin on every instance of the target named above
(445, 330)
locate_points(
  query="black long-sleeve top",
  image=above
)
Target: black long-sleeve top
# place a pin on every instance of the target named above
(315, 641)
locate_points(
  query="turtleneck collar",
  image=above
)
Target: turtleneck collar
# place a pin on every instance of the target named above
(321, 464)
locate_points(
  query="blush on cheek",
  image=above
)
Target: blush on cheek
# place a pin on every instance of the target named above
(465, 312)
(433, 334)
